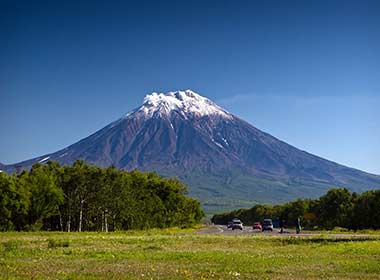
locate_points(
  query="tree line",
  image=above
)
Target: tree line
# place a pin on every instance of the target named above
(83, 197)
(337, 208)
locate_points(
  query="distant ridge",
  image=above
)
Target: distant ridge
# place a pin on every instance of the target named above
(226, 162)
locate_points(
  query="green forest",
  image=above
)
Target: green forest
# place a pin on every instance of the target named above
(337, 208)
(82, 197)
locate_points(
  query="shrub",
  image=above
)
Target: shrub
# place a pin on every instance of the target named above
(58, 243)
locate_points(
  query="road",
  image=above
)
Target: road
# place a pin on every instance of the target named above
(221, 229)
(248, 230)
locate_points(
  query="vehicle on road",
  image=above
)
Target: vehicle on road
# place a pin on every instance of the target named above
(237, 224)
(257, 225)
(229, 224)
(267, 225)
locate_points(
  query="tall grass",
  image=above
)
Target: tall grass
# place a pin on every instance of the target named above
(181, 254)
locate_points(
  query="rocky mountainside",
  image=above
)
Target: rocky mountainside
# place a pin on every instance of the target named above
(226, 162)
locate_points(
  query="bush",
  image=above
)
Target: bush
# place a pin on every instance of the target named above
(10, 246)
(58, 243)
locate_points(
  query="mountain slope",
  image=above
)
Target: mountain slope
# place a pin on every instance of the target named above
(2, 167)
(226, 162)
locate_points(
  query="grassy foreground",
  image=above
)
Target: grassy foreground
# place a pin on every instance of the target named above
(181, 254)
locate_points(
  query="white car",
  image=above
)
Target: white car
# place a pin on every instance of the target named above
(237, 224)
(267, 225)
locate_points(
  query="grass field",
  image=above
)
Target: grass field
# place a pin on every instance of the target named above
(181, 254)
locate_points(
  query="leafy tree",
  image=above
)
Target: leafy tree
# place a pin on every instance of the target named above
(46, 196)
(291, 211)
(83, 197)
(14, 203)
(335, 208)
(338, 207)
(366, 211)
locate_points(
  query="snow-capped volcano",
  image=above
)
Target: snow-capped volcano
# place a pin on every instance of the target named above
(226, 162)
(187, 103)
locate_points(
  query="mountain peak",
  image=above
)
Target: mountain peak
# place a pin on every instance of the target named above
(225, 161)
(187, 103)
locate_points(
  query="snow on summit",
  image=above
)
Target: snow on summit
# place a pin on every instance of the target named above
(184, 102)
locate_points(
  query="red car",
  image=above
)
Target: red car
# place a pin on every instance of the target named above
(257, 225)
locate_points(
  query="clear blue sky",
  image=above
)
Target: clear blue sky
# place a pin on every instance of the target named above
(307, 72)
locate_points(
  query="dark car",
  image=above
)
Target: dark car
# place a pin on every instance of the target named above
(236, 224)
(267, 225)
(257, 225)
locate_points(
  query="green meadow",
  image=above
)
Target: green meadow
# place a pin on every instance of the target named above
(184, 254)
